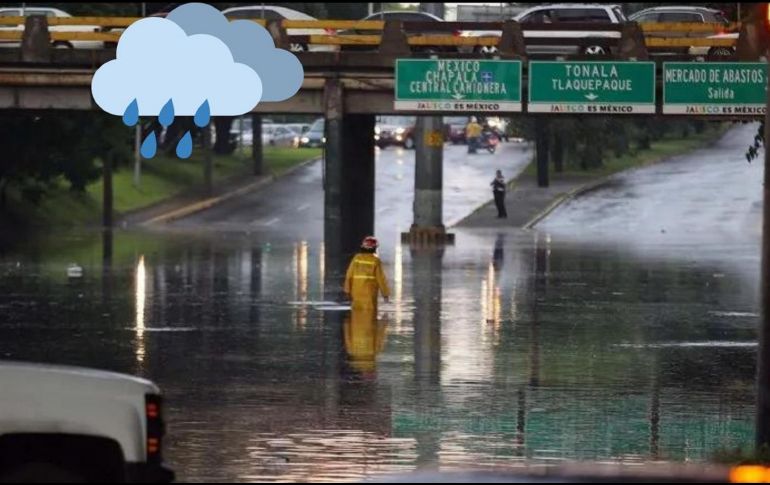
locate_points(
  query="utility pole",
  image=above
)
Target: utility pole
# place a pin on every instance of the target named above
(763, 354)
(107, 196)
(137, 155)
(763, 373)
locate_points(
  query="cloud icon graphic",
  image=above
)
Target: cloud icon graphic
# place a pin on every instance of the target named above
(251, 44)
(158, 61)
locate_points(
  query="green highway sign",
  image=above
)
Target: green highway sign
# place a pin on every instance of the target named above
(594, 87)
(458, 85)
(714, 88)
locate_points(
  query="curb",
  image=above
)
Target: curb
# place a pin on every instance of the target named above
(510, 184)
(601, 181)
(212, 201)
(564, 198)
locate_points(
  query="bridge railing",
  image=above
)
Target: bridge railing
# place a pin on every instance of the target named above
(424, 34)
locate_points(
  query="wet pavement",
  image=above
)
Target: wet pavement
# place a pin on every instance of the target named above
(509, 347)
(292, 208)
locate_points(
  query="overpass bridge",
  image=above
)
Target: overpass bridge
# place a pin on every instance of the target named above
(37, 76)
(349, 88)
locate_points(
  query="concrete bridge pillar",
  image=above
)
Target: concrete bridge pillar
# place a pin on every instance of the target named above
(428, 226)
(348, 184)
(36, 40)
(542, 127)
(256, 144)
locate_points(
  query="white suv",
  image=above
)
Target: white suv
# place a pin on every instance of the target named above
(564, 14)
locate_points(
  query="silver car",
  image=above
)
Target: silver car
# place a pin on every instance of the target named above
(283, 136)
(562, 15)
(690, 15)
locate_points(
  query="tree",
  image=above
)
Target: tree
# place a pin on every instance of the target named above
(222, 124)
(759, 141)
(41, 149)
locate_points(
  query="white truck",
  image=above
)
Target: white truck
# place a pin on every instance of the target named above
(69, 424)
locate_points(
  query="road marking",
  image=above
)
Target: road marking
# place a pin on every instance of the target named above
(259, 222)
(302, 207)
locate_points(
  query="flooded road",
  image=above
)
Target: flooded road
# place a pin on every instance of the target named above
(511, 346)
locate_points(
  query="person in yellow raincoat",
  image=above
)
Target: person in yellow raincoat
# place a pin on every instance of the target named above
(472, 133)
(365, 278)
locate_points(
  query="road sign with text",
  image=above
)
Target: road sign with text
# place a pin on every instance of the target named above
(458, 85)
(591, 87)
(714, 88)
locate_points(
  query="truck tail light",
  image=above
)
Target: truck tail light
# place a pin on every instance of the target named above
(155, 427)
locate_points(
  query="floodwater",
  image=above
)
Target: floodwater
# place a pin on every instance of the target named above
(509, 347)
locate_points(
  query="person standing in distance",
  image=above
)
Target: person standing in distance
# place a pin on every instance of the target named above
(498, 189)
(472, 134)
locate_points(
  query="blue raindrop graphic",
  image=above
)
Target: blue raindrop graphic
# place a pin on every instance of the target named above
(185, 146)
(149, 145)
(203, 115)
(131, 115)
(166, 116)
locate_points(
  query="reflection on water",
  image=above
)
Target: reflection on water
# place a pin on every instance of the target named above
(141, 280)
(512, 348)
(398, 286)
(364, 339)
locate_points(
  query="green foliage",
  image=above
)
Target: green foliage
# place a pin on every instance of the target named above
(742, 456)
(759, 141)
(40, 149)
(587, 140)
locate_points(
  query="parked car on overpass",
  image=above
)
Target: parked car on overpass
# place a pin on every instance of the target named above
(561, 16)
(404, 16)
(687, 14)
(271, 12)
(50, 13)
(111, 44)
(715, 51)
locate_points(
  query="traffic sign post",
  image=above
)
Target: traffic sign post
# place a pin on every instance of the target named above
(714, 88)
(591, 87)
(458, 85)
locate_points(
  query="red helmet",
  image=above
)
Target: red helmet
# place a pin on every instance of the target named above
(370, 242)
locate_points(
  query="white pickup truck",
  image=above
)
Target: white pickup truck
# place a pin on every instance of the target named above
(68, 424)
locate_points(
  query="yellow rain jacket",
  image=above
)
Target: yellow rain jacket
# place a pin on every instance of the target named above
(363, 280)
(473, 130)
(364, 338)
